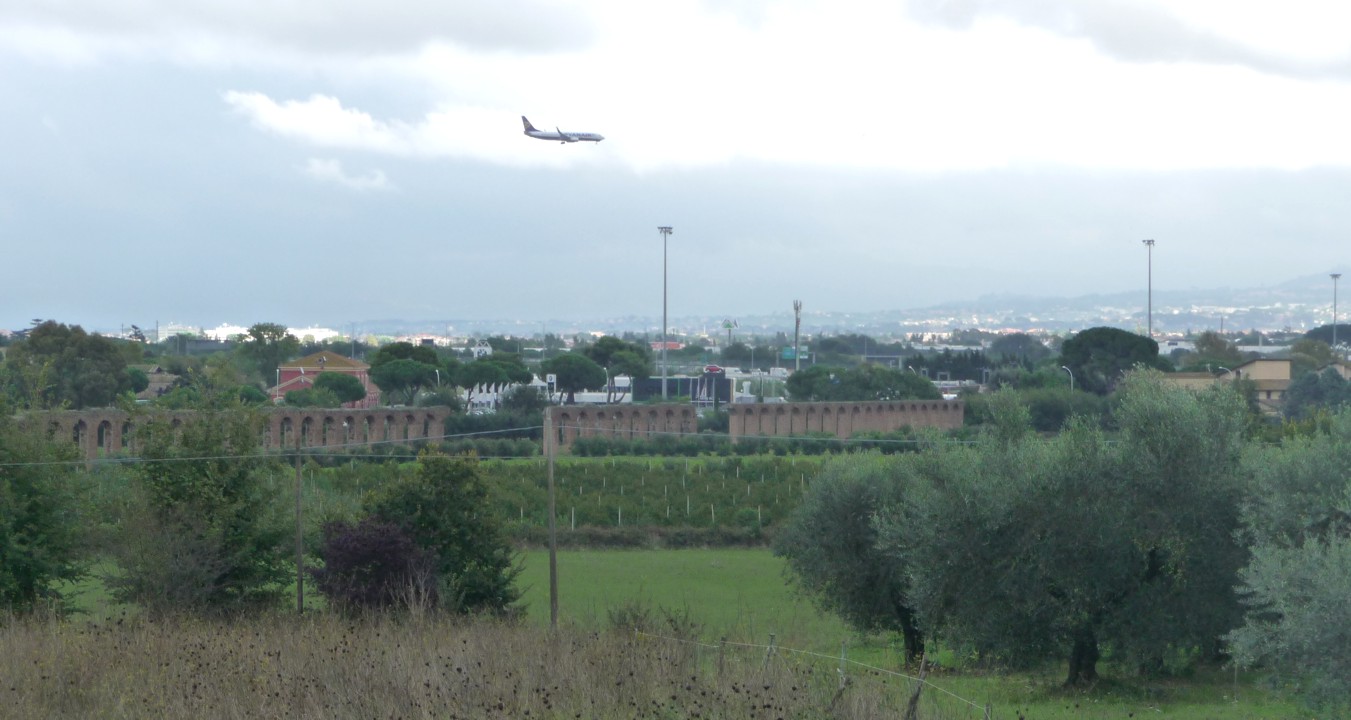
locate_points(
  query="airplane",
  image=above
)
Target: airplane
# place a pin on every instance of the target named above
(559, 135)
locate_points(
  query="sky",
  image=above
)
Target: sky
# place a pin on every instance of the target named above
(342, 161)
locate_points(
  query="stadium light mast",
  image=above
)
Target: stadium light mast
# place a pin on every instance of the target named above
(1335, 277)
(1149, 244)
(665, 231)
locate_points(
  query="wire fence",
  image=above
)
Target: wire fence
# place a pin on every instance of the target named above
(946, 703)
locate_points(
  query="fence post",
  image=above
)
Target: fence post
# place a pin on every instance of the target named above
(722, 654)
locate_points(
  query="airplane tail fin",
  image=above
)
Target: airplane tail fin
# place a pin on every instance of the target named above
(528, 126)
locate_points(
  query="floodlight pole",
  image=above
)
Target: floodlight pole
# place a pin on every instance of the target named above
(665, 231)
(1071, 372)
(1335, 277)
(1150, 245)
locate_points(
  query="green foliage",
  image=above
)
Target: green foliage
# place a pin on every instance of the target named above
(202, 533)
(621, 357)
(443, 507)
(58, 365)
(1048, 409)
(575, 373)
(831, 546)
(1024, 549)
(313, 397)
(1020, 347)
(525, 402)
(1299, 624)
(347, 388)
(137, 380)
(1307, 354)
(265, 347)
(1298, 519)
(1311, 392)
(401, 378)
(863, 383)
(41, 538)
(1099, 357)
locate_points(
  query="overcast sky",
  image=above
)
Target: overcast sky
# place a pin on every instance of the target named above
(335, 161)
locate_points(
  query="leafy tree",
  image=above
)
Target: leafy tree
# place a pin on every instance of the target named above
(1312, 392)
(347, 388)
(443, 506)
(402, 378)
(313, 397)
(58, 365)
(831, 547)
(619, 357)
(1323, 334)
(1298, 519)
(820, 383)
(1213, 347)
(524, 401)
(1307, 354)
(374, 565)
(1100, 356)
(575, 373)
(265, 347)
(404, 351)
(41, 541)
(1299, 619)
(203, 532)
(493, 372)
(1020, 347)
(1024, 549)
(137, 380)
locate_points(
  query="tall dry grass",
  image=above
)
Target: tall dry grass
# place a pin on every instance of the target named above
(324, 666)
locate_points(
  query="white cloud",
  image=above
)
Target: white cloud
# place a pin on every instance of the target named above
(331, 171)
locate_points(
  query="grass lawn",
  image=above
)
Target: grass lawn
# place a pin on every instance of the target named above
(742, 594)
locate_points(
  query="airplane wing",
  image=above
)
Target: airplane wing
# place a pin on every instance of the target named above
(564, 136)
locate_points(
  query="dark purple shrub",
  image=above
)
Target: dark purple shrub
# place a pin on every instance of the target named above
(374, 565)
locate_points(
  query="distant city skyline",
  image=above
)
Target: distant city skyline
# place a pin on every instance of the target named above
(1296, 304)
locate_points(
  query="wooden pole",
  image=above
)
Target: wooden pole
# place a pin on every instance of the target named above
(553, 521)
(300, 534)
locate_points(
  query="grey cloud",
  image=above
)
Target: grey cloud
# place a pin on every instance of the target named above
(334, 27)
(1128, 31)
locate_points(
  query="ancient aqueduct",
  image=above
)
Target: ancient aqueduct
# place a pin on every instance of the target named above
(112, 433)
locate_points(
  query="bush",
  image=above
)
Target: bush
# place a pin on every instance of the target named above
(202, 532)
(443, 507)
(374, 565)
(40, 538)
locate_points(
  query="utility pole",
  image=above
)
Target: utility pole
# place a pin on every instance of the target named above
(665, 231)
(300, 534)
(550, 440)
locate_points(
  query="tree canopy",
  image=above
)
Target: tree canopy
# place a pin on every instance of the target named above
(1022, 549)
(820, 383)
(58, 365)
(1100, 356)
(574, 373)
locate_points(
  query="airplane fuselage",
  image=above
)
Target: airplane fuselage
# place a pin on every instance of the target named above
(558, 135)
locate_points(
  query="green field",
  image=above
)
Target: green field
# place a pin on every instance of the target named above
(741, 594)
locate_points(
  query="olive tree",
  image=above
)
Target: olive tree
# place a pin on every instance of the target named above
(1024, 549)
(830, 545)
(1298, 518)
